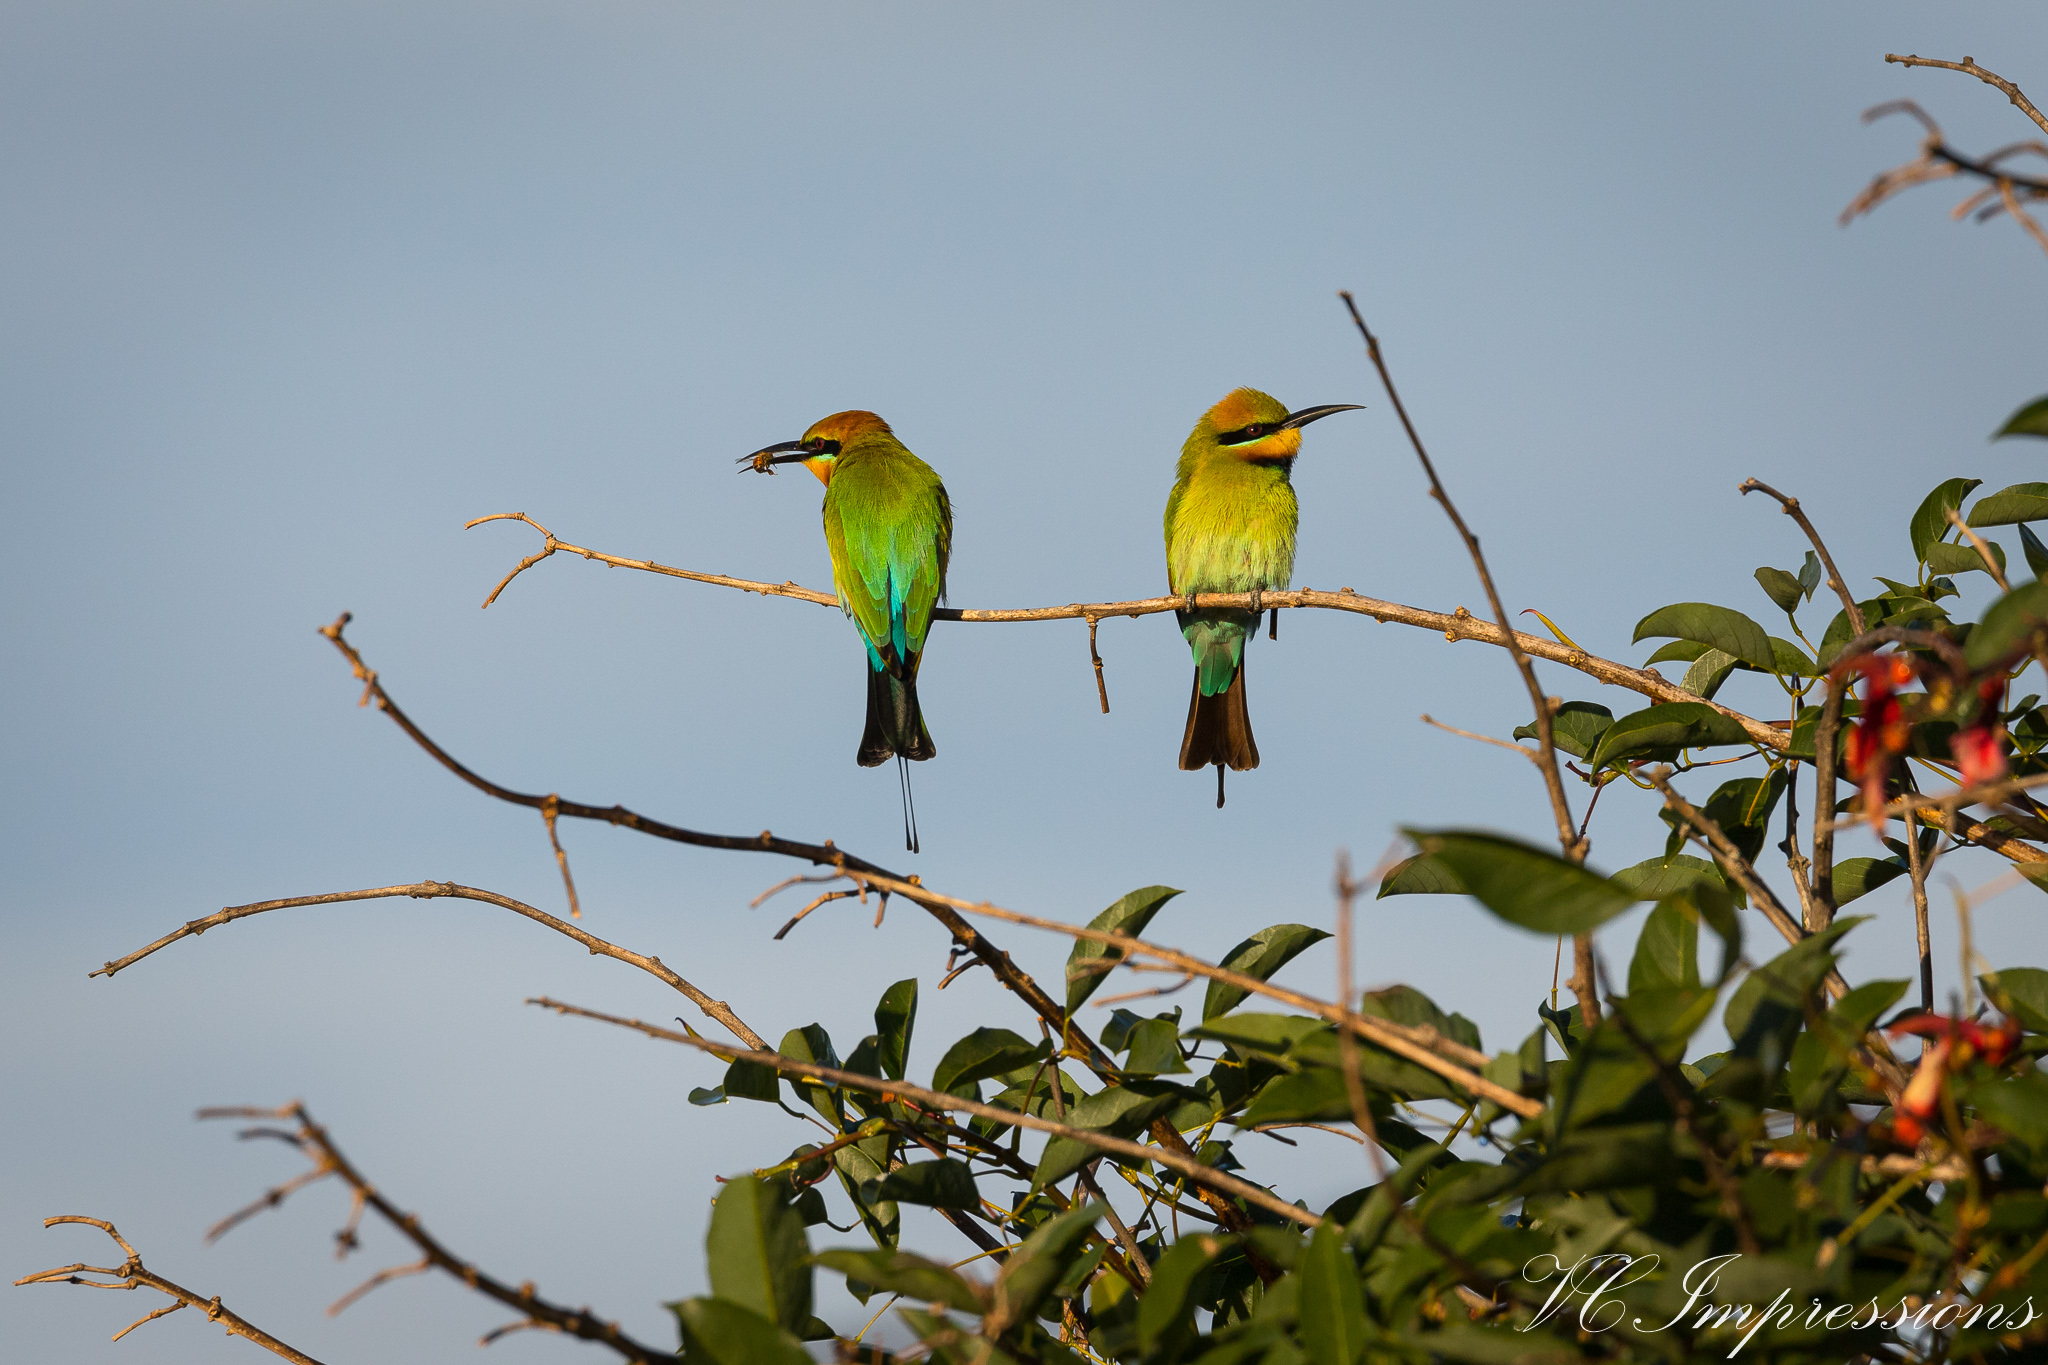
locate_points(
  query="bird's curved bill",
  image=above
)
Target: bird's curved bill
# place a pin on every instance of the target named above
(788, 452)
(1307, 415)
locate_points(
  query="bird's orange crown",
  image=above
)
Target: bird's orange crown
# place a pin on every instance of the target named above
(847, 427)
(1242, 408)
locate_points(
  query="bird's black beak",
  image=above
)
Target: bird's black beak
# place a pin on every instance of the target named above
(1307, 415)
(788, 452)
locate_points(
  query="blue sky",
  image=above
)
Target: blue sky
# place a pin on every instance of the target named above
(293, 292)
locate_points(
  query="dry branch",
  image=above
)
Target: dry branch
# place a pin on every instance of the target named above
(429, 890)
(1211, 1179)
(131, 1274)
(317, 1146)
(1454, 626)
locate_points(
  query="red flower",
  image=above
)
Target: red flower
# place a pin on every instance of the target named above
(1882, 733)
(1980, 750)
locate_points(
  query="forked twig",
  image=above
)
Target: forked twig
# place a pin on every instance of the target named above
(132, 1274)
(314, 1142)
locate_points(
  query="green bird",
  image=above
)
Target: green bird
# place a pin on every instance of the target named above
(1230, 524)
(889, 527)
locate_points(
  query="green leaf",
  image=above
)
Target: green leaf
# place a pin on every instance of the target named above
(1420, 875)
(1576, 728)
(1261, 955)
(1768, 1010)
(2031, 420)
(1708, 672)
(983, 1053)
(714, 1095)
(752, 1081)
(1742, 808)
(2009, 625)
(1034, 1268)
(757, 1253)
(1315, 1094)
(1930, 522)
(1839, 634)
(1723, 628)
(1525, 885)
(2036, 552)
(1086, 967)
(943, 1184)
(1655, 878)
(1792, 660)
(1947, 558)
(1155, 1047)
(1660, 731)
(1259, 1032)
(812, 1044)
(912, 1276)
(722, 1332)
(1860, 876)
(1119, 1110)
(1332, 1314)
(1166, 1306)
(2021, 502)
(2021, 992)
(1378, 1212)
(895, 1017)
(2018, 1105)
(1667, 952)
(1781, 587)
(1685, 651)
(1810, 574)
(1408, 1006)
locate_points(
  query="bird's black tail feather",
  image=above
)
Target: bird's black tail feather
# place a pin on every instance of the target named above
(895, 727)
(1219, 731)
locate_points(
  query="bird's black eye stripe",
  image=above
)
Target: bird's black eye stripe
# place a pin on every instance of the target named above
(821, 446)
(1245, 434)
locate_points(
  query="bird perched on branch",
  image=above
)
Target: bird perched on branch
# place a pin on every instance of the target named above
(889, 528)
(1230, 524)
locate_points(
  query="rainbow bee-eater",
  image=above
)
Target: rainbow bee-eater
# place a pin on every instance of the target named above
(889, 528)
(1230, 524)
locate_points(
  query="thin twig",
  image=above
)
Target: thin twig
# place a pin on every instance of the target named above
(318, 1147)
(548, 811)
(1095, 657)
(1220, 1182)
(1916, 862)
(131, 1274)
(1835, 579)
(428, 890)
(1529, 754)
(1990, 563)
(382, 1277)
(1546, 750)
(1347, 1043)
(1969, 67)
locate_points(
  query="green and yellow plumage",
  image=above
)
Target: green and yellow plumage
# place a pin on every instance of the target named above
(889, 528)
(1230, 527)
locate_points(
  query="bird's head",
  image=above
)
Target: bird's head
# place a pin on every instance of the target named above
(1257, 427)
(818, 449)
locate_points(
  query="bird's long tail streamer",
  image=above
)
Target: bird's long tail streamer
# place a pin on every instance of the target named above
(909, 804)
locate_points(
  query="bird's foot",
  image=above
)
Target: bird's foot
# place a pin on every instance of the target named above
(1191, 599)
(1257, 595)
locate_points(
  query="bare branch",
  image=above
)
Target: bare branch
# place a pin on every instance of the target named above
(1422, 1045)
(1454, 626)
(1835, 580)
(382, 1277)
(1529, 754)
(429, 890)
(1546, 749)
(1208, 1177)
(131, 1274)
(320, 1148)
(1969, 67)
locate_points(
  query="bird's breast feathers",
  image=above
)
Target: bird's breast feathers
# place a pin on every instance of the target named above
(1234, 540)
